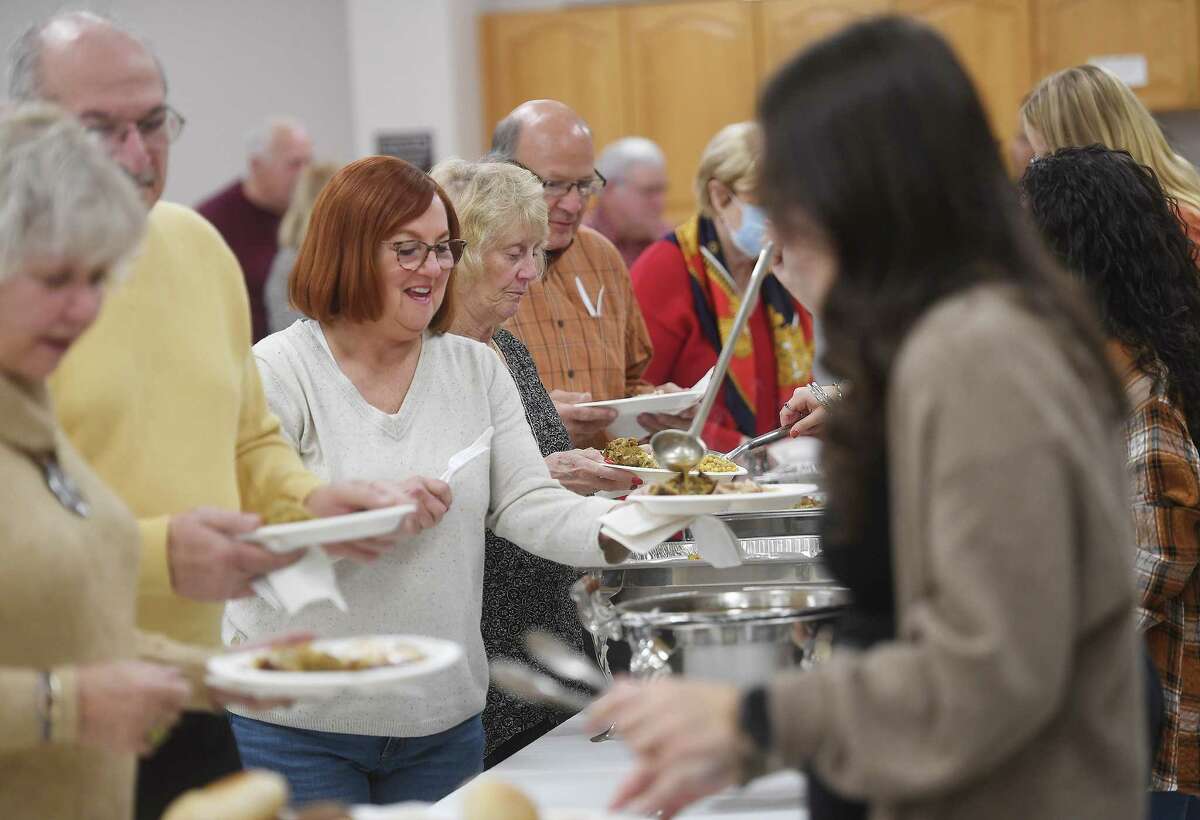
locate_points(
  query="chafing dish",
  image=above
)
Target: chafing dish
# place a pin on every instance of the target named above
(779, 547)
(741, 636)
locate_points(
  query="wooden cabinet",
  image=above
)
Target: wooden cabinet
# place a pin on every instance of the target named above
(1164, 32)
(691, 71)
(573, 56)
(993, 39)
(789, 25)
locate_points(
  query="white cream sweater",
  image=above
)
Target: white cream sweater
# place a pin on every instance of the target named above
(430, 584)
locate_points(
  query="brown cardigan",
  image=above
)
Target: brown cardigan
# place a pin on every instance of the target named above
(1011, 689)
(66, 598)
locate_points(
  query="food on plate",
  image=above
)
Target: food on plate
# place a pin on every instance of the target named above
(307, 658)
(680, 484)
(256, 794)
(497, 800)
(713, 463)
(286, 511)
(808, 502)
(626, 452)
(700, 484)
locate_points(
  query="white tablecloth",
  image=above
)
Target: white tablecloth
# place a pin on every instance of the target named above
(565, 770)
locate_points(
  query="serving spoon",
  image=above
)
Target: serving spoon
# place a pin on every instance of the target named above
(681, 450)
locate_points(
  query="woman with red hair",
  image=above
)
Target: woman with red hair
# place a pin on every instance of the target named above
(371, 384)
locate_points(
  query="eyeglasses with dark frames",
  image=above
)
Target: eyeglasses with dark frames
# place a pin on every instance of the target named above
(557, 189)
(412, 253)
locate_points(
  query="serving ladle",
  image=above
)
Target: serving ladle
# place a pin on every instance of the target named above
(682, 450)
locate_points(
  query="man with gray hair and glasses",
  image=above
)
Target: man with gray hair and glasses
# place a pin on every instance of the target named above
(580, 321)
(629, 210)
(161, 395)
(247, 212)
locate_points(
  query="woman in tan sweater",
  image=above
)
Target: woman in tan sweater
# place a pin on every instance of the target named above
(978, 505)
(76, 703)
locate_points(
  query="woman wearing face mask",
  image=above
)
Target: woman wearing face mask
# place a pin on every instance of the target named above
(690, 285)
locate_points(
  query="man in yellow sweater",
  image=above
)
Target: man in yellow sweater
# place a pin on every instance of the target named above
(162, 395)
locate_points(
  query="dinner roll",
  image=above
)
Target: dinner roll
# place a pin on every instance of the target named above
(496, 800)
(251, 795)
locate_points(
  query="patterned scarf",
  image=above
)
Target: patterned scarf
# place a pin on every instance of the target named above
(717, 301)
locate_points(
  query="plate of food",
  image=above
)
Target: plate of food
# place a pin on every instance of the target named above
(638, 459)
(699, 494)
(295, 528)
(327, 667)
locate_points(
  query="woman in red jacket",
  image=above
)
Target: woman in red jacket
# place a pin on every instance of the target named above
(689, 285)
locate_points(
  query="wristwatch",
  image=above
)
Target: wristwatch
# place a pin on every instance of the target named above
(754, 718)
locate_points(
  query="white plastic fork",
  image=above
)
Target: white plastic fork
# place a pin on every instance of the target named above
(468, 454)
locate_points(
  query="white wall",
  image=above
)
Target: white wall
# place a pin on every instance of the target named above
(230, 65)
(413, 67)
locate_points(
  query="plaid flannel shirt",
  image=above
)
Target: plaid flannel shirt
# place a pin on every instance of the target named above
(583, 326)
(1166, 510)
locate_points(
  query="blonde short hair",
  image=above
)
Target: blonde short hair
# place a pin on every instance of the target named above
(295, 220)
(1088, 105)
(61, 196)
(731, 157)
(493, 200)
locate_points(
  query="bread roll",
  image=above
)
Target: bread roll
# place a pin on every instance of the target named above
(252, 795)
(496, 800)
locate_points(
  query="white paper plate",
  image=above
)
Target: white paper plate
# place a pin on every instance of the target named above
(628, 409)
(773, 497)
(657, 475)
(331, 530)
(236, 671)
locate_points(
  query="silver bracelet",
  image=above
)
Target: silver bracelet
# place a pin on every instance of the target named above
(820, 395)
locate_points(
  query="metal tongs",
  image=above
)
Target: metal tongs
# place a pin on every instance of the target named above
(523, 681)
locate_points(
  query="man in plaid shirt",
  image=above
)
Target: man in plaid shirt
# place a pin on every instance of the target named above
(580, 321)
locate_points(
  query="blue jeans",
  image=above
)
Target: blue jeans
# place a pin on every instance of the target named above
(1173, 806)
(363, 768)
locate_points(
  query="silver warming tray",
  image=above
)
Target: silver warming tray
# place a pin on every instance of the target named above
(781, 547)
(741, 636)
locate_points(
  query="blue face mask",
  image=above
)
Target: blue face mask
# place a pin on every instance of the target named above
(751, 235)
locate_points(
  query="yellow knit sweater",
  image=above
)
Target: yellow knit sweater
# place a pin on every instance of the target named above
(163, 399)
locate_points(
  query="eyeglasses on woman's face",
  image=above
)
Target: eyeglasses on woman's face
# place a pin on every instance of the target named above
(412, 253)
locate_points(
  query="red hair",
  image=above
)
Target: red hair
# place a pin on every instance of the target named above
(336, 275)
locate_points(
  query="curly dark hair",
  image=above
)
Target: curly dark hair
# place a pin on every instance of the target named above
(877, 136)
(1110, 221)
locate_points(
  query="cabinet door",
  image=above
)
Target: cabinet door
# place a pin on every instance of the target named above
(691, 70)
(790, 25)
(1163, 32)
(572, 55)
(993, 40)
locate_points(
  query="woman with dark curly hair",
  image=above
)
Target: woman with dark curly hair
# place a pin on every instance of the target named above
(974, 469)
(1109, 221)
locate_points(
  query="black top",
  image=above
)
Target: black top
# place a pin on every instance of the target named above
(520, 590)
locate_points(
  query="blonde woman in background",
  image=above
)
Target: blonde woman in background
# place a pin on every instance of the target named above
(291, 235)
(1088, 105)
